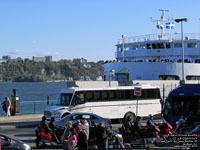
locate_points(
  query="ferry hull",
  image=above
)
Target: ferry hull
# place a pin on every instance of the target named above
(151, 71)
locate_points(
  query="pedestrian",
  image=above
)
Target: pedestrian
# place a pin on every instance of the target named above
(67, 134)
(72, 140)
(85, 127)
(82, 143)
(103, 133)
(6, 106)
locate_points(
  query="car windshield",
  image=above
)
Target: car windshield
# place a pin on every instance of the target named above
(64, 99)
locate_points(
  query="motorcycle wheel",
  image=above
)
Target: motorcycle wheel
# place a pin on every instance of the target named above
(159, 141)
(39, 145)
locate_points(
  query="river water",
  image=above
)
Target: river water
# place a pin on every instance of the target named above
(32, 95)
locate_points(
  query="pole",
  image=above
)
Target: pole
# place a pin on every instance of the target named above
(183, 77)
(137, 107)
(34, 107)
(109, 80)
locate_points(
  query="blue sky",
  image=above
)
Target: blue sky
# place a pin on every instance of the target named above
(68, 29)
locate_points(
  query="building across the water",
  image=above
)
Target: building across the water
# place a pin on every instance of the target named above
(155, 57)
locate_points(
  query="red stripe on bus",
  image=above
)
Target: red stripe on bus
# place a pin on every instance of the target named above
(112, 105)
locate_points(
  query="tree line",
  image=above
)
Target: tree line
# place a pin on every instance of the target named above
(29, 71)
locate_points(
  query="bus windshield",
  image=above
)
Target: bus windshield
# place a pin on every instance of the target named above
(184, 105)
(64, 99)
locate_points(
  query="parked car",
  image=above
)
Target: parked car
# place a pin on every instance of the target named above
(79, 116)
(8, 143)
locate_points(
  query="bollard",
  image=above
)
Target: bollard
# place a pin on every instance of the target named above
(51, 102)
(47, 100)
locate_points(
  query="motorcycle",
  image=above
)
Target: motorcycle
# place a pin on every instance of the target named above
(166, 131)
(181, 125)
(143, 136)
(43, 139)
(114, 142)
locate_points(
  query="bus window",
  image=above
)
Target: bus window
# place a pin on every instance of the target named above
(167, 110)
(97, 96)
(78, 98)
(89, 96)
(104, 95)
(64, 99)
(128, 94)
(112, 95)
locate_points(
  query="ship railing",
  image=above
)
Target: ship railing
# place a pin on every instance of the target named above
(152, 37)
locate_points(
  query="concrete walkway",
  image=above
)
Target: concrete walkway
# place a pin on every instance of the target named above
(20, 121)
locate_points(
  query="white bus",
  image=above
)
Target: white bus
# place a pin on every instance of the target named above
(109, 102)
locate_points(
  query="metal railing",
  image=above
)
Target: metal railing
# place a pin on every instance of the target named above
(151, 37)
(32, 107)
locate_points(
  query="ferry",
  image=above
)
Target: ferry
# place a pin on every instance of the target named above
(155, 57)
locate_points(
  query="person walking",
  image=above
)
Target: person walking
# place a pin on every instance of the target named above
(67, 134)
(6, 106)
(103, 134)
(82, 143)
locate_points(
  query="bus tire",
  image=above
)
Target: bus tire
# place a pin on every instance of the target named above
(65, 114)
(130, 115)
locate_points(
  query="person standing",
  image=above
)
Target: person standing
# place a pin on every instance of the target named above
(67, 134)
(72, 140)
(6, 106)
(85, 127)
(103, 134)
(82, 143)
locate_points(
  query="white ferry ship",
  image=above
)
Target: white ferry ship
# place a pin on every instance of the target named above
(155, 57)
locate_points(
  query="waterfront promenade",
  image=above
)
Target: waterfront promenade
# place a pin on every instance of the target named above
(20, 121)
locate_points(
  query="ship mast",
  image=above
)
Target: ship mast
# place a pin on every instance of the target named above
(161, 24)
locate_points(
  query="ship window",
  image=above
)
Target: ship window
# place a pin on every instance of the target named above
(192, 45)
(149, 46)
(192, 77)
(161, 45)
(134, 47)
(177, 45)
(168, 45)
(142, 46)
(155, 46)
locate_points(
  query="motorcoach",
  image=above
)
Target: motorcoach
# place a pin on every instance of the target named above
(109, 102)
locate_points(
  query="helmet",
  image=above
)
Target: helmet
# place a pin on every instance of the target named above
(52, 119)
(150, 116)
(78, 128)
(138, 118)
(129, 118)
(44, 118)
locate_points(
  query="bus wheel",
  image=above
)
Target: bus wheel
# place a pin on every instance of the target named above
(65, 114)
(129, 115)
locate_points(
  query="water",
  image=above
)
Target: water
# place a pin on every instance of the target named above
(33, 95)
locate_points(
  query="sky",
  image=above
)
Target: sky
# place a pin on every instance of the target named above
(68, 29)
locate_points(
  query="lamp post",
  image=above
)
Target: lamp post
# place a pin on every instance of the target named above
(111, 74)
(181, 20)
(123, 48)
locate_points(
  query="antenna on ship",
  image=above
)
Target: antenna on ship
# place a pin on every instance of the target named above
(161, 24)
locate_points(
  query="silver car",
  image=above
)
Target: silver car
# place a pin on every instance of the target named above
(80, 116)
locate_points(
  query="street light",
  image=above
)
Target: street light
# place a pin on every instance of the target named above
(181, 20)
(111, 74)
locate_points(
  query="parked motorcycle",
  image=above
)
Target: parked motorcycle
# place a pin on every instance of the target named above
(114, 142)
(181, 125)
(166, 131)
